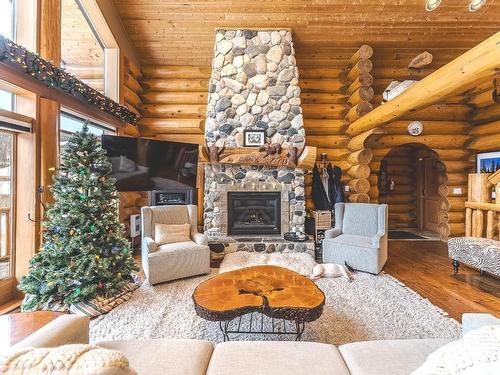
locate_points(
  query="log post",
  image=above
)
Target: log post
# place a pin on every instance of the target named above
(477, 223)
(490, 225)
(360, 93)
(468, 222)
(359, 110)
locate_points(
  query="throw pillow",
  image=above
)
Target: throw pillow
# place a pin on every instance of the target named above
(126, 165)
(67, 359)
(478, 352)
(170, 233)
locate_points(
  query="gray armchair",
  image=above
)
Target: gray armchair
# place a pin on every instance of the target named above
(359, 238)
(174, 260)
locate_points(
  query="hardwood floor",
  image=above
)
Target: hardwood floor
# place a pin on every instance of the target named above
(424, 266)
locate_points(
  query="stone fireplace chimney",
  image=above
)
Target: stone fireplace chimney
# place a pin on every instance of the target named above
(253, 86)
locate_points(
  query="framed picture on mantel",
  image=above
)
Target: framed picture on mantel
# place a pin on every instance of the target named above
(488, 162)
(254, 138)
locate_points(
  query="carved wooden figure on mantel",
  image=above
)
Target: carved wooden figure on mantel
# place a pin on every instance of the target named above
(271, 155)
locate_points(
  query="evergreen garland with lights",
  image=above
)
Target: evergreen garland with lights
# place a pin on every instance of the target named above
(84, 252)
(30, 63)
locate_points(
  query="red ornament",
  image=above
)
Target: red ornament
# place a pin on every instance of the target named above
(100, 285)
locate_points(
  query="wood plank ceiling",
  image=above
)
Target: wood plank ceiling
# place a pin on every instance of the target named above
(172, 32)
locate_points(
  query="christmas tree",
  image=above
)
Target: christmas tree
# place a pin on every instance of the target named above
(84, 253)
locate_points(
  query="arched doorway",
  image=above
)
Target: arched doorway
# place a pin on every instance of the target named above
(412, 181)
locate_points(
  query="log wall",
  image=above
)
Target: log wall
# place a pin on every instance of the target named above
(173, 104)
(446, 131)
(485, 117)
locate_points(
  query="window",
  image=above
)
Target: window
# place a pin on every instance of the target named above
(7, 30)
(6, 100)
(70, 124)
(7, 19)
(6, 202)
(82, 52)
(89, 50)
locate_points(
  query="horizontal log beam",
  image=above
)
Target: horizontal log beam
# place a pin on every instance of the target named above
(182, 97)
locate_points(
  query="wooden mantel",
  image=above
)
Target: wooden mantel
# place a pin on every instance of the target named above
(306, 156)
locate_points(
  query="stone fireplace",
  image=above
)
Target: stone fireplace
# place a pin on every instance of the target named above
(253, 86)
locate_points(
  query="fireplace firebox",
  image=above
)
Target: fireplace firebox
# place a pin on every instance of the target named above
(254, 213)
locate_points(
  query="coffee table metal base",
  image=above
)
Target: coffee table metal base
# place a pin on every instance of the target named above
(257, 323)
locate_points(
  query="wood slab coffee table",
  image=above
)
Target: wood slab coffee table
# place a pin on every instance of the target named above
(257, 292)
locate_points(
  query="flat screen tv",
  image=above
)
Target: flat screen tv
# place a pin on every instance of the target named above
(140, 164)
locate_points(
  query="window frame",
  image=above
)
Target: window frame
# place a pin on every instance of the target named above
(8, 285)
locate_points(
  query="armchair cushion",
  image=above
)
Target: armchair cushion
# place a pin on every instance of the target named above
(177, 248)
(353, 240)
(332, 233)
(171, 233)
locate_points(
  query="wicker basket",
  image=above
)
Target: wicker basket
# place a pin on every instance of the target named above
(322, 218)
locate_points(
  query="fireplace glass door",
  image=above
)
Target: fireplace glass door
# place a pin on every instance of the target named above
(254, 213)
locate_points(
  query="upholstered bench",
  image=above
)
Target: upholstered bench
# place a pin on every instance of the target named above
(480, 253)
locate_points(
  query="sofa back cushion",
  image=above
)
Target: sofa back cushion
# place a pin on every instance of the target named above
(360, 219)
(171, 233)
(67, 359)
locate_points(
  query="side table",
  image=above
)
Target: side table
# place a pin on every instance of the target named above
(15, 327)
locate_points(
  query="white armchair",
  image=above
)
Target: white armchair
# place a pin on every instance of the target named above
(359, 238)
(173, 260)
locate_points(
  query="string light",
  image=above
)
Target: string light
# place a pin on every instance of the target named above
(53, 76)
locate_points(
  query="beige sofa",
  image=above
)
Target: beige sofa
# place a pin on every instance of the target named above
(198, 357)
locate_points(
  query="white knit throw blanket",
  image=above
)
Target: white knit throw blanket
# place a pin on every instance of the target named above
(66, 359)
(477, 353)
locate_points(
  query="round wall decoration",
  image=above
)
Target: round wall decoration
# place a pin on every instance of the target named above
(415, 128)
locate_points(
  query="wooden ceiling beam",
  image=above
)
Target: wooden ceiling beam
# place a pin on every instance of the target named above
(477, 64)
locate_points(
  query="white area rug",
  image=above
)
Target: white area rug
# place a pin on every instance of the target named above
(369, 308)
